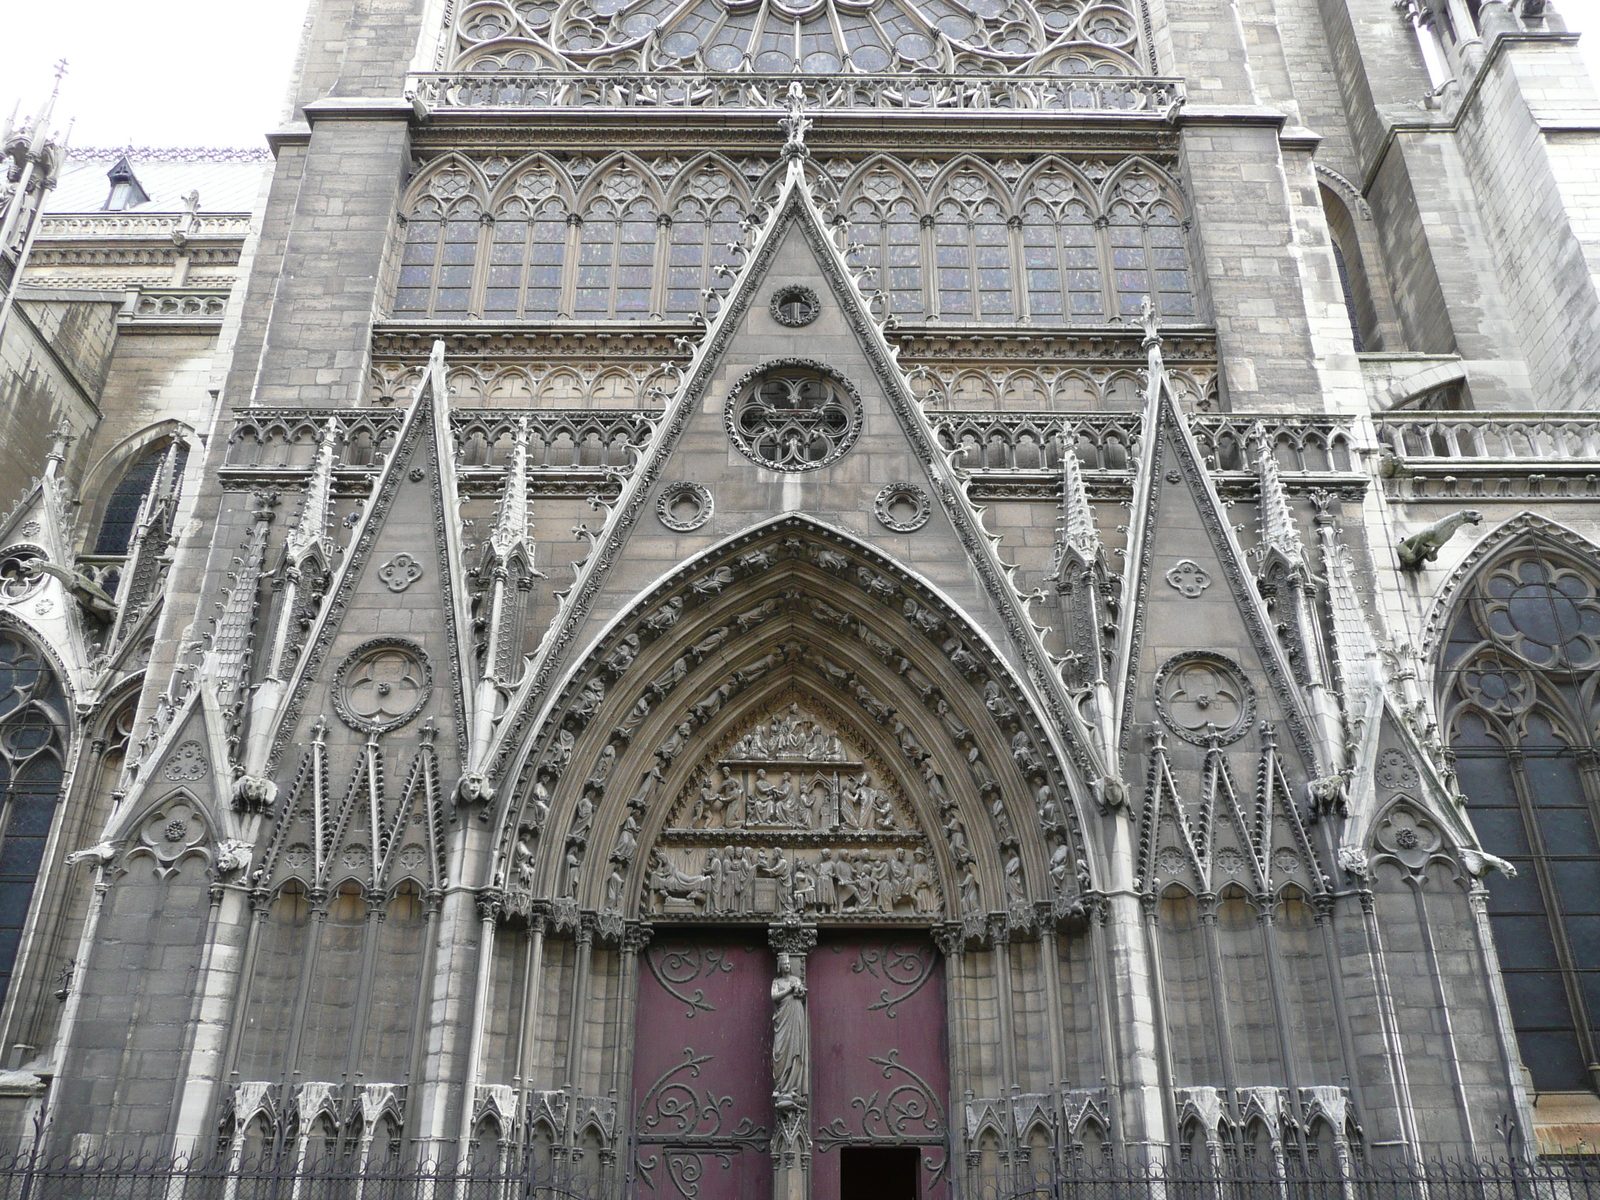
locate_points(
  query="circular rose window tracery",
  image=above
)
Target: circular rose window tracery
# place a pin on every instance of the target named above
(793, 415)
(382, 685)
(1204, 697)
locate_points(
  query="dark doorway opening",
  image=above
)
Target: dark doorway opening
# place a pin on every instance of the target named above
(878, 1172)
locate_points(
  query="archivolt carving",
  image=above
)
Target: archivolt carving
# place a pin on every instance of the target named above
(646, 757)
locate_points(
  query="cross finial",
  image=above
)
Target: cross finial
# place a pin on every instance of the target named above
(796, 124)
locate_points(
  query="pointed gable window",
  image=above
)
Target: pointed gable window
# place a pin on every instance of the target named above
(126, 191)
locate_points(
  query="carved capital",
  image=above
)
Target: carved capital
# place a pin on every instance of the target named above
(792, 938)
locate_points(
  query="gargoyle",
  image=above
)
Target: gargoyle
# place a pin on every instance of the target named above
(1424, 547)
(91, 597)
(1479, 864)
(233, 857)
(99, 855)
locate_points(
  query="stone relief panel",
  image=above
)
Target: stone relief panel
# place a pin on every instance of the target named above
(790, 818)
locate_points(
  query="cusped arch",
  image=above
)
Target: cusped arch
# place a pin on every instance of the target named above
(1054, 165)
(1117, 186)
(622, 162)
(857, 185)
(970, 165)
(448, 179)
(519, 183)
(710, 640)
(685, 181)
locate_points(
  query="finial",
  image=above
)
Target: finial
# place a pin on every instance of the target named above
(796, 124)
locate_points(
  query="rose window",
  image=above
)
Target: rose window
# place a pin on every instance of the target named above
(793, 415)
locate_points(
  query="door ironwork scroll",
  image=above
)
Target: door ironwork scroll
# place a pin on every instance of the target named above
(880, 1074)
(702, 1092)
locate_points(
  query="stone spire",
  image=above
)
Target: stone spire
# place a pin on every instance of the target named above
(310, 529)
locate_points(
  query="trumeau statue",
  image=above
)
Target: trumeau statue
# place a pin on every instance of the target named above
(791, 1048)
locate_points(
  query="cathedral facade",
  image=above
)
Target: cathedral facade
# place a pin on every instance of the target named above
(718, 599)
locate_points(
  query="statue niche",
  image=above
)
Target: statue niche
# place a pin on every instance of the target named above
(788, 818)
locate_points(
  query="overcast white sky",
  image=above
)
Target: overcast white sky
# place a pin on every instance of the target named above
(215, 72)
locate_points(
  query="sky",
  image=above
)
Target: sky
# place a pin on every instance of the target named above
(216, 72)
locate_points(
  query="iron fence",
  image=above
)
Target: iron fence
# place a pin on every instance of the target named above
(291, 1176)
(284, 1177)
(1294, 1177)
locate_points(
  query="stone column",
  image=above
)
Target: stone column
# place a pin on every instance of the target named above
(791, 1067)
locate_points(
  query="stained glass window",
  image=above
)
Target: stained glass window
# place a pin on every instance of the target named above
(121, 516)
(1519, 684)
(33, 728)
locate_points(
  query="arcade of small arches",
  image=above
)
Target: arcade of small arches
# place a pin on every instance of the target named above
(1053, 242)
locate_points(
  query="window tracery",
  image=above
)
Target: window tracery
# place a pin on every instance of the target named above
(1519, 687)
(816, 37)
(1049, 245)
(33, 728)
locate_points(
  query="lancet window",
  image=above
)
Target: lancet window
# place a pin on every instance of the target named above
(119, 521)
(33, 726)
(969, 244)
(1519, 690)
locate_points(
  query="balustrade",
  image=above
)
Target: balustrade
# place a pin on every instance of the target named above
(1491, 436)
(989, 442)
(685, 89)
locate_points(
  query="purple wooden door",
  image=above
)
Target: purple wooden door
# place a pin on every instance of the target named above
(880, 1074)
(702, 1074)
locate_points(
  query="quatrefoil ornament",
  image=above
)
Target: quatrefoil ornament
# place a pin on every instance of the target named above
(400, 572)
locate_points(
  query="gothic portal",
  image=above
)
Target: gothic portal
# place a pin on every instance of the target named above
(694, 599)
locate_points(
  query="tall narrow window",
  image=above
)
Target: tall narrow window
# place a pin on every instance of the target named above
(1061, 254)
(439, 259)
(1149, 249)
(33, 727)
(701, 236)
(973, 248)
(616, 259)
(117, 523)
(525, 255)
(886, 228)
(1519, 681)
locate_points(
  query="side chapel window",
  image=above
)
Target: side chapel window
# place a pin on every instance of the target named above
(1519, 687)
(117, 523)
(33, 726)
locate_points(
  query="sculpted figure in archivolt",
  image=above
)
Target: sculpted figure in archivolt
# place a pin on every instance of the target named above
(790, 1033)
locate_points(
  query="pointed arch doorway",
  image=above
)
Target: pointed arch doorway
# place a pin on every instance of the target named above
(799, 1048)
(870, 1118)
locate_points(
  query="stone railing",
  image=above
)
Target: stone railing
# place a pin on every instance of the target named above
(143, 227)
(1023, 442)
(585, 440)
(1491, 438)
(179, 306)
(697, 90)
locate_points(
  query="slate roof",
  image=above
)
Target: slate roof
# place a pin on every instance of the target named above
(228, 179)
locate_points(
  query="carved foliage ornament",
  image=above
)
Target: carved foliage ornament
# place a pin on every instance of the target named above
(382, 684)
(793, 414)
(684, 506)
(1204, 698)
(902, 507)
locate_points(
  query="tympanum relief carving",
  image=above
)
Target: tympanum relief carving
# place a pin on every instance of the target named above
(788, 818)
